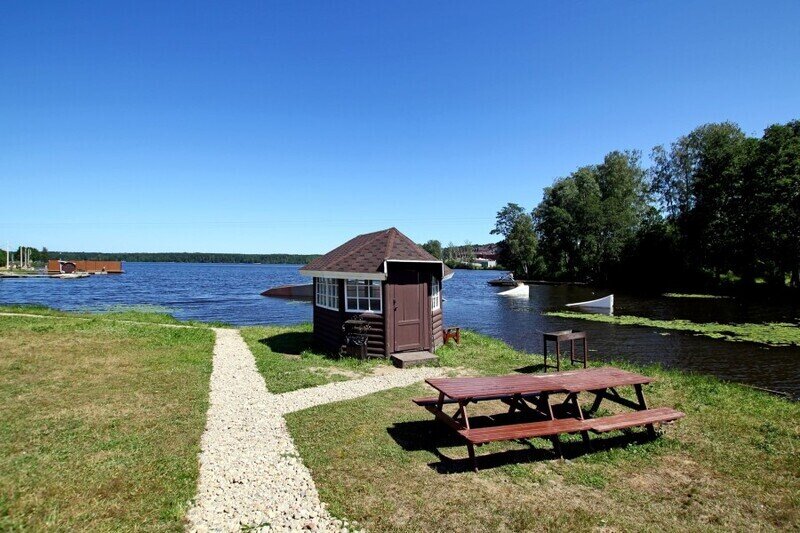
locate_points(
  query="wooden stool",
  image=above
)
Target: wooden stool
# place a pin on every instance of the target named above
(452, 333)
(562, 336)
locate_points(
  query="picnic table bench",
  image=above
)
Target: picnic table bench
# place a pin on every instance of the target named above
(529, 397)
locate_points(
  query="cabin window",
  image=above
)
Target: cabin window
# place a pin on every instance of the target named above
(364, 295)
(327, 293)
(436, 294)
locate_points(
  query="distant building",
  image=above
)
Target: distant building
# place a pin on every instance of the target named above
(486, 251)
(57, 266)
(483, 262)
(382, 279)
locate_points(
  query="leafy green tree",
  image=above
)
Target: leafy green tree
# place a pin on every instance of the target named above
(778, 167)
(434, 248)
(506, 218)
(521, 246)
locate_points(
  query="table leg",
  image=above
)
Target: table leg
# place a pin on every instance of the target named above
(651, 430)
(464, 413)
(558, 356)
(545, 355)
(471, 452)
(545, 398)
(584, 434)
(585, 353)
(600, 394)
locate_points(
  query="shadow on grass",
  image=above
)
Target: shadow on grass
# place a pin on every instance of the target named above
(292, 343)
(433, 436)
(531, 369)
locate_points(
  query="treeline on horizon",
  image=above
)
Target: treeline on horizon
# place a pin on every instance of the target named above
(715, 208)
(186, 257)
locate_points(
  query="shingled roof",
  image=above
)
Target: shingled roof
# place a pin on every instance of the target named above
(368, 253)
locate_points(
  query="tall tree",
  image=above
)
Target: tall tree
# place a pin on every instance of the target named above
(697, 182)
(521, 244)
(434, 248)
(778, 162)
(506, 218)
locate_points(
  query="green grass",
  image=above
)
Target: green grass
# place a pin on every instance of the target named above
(286, 359)
(138, 313)
(731, 464)
(773, 333)
(100, 422)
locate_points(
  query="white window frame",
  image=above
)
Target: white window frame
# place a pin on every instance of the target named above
(372, 286)
(326, 293)
(436, 294)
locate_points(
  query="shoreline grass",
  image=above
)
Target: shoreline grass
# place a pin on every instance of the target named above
(731, 464)
(100, 422)
(771, 334)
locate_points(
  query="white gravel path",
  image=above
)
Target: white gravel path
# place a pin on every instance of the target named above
(251, 474)
(347, 390)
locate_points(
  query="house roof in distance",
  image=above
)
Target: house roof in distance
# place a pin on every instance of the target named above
(366, 256)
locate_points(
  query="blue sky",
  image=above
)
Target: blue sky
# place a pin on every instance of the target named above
(291, 126)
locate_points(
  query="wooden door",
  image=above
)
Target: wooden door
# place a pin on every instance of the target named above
(409, 321)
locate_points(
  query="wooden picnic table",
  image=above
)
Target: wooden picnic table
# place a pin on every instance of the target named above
(528, 396)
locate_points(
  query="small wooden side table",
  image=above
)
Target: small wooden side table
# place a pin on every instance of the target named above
(563, 336)
(452, 333)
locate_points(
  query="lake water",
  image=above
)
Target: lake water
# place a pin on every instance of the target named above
(231, 293)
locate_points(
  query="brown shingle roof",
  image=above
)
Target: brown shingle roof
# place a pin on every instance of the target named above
(366, 253)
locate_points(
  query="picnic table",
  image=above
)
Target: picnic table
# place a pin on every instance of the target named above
(531, 413)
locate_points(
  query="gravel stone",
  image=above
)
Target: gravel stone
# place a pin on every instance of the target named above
(347, 390)
(251, 475)
(250, 472)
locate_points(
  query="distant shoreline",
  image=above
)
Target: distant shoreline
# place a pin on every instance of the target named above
(187, 257)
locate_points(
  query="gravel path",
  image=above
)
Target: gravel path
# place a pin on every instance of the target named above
(347, 390)
(250, 472)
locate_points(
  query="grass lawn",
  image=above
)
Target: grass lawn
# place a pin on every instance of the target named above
(773, 333)
(732, 463)
(139, 313)
(286, 359)
(100, 421)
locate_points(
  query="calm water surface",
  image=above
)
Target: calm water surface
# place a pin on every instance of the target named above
(231, 293)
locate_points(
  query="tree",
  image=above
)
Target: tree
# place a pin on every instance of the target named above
(623, 203)
(521, 245)
(697, 183)
(778, 164)
(434, 248)
(506, 218)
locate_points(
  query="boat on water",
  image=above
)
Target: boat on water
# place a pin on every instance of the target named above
(300, 292)
(504, 281)
(606, 302)
(72, 275)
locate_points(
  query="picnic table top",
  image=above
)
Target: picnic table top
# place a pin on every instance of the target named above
(523, 384)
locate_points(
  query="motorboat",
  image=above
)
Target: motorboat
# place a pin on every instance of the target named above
(505, 281)
(71, 275)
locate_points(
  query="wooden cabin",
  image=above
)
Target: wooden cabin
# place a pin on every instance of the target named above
(382, 279)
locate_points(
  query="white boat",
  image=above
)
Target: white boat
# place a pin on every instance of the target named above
(606, 302)
(72, 275)
(520, 290)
